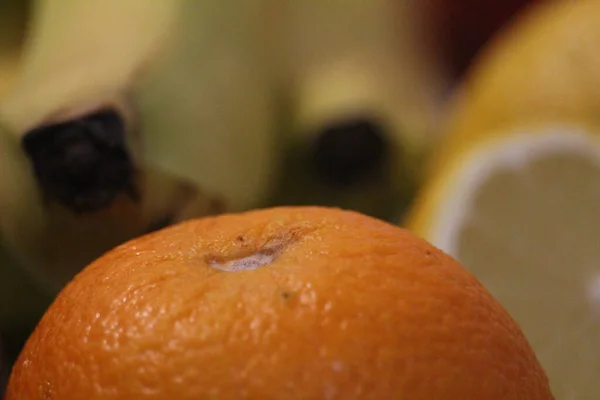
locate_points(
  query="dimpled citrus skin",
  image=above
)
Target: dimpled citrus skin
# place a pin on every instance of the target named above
(349, 308)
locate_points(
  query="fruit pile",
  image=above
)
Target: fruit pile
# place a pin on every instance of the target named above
(471, 123)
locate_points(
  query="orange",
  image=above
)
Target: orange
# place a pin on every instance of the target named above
(282, 303)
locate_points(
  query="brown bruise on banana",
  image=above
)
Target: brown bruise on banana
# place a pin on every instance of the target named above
(165, 197)
(67, 241)
(66, 141)
(120, 103)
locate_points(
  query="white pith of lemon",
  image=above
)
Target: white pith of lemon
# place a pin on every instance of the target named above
(522, 212)
(508, 154)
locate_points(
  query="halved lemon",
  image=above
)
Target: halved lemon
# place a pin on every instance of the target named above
(514, 189)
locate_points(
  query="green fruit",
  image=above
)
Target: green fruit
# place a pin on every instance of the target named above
(361, 105)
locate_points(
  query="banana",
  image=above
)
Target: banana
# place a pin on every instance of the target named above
(363, 100)
(129, 115)
(208, 104)
(12, 31)
(9, 66)
(74, 75)
(16, 310)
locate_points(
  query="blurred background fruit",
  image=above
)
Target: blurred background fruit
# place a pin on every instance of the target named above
(271, 304)
(461, 28)
(514, 187)
(15, 14)
(163, 118)
(66, 67)
(20, 301)
(206, 104)
(360, 104)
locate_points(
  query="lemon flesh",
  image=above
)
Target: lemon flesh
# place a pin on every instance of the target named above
(523, 214)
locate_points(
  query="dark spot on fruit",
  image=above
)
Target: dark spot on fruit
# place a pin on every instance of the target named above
(240, 238)
(286, 295)
(83, 164)
(348, 151)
